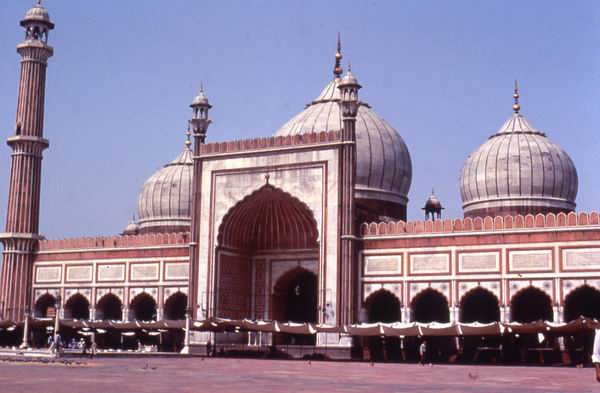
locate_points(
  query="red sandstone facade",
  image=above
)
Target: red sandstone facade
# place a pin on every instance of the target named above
(276, 230)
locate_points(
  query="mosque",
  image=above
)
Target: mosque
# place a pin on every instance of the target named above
(308, 225)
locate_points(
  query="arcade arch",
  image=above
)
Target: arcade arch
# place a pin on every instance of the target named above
(583, 301)
(382, 306)
(144, 307)
(430, 305)
(531, 304)
(109, 307)
(45, 306)
(479, 305)
(77, 307)
(175, 306)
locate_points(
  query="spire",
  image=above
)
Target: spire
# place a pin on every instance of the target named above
(188, 142)
(516, 106)
(337, 70)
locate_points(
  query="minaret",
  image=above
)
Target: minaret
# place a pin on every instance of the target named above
(349, 105)
(22, 219)
(199, 124)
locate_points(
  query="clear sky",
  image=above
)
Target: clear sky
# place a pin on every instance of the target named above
(441, 72)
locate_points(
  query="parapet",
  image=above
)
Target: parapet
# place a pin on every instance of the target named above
(478, 224)
(273, 142)
(124, 241)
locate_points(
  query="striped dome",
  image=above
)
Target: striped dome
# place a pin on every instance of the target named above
(518, 171)
(383, 168)
(165, 200)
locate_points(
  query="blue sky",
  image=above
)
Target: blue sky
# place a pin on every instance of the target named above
(441, 72)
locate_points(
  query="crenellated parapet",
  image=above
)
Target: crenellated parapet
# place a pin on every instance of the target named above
(478, 224)
(274, 142)
(126, 241)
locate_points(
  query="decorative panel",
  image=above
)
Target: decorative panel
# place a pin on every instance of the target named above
(474, 262)
(581, 259)
(113, 272)
(177, 271)
(388, 264)
(535, 260)
(48, 274)
(79, 273)
(429, 263)
(144, 271)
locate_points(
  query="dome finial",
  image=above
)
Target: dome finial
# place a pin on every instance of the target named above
(516, 106)
(188, 142)
(337, 69)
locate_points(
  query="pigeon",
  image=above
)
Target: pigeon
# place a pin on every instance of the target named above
(473, 376)
(154, 368)
(145, 367)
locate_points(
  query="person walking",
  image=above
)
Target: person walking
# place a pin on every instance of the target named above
(422, 352)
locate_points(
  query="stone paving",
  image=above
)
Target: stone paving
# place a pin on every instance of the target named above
(124, 375)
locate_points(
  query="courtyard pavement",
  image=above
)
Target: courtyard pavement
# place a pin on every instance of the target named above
(123, 375)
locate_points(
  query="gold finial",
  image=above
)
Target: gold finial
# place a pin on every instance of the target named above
(337, 69)
(39, 2)
(188, 142)
(349, 67)
(267, 177)
(516, 106)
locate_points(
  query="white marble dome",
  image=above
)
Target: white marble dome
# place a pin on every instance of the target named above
(384, 168)
(38, 13)
(518, 171)
(164, 204)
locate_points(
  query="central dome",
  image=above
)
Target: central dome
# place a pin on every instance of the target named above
(383, 167)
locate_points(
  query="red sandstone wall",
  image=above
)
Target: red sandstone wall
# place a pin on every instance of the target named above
(235, 278)
(260, 288)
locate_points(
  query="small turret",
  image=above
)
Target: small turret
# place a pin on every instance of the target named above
(433, 207)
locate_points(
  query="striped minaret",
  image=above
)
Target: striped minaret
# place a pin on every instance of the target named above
(22, 219)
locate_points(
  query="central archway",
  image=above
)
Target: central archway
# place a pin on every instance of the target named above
(266, 226)
(295, 297)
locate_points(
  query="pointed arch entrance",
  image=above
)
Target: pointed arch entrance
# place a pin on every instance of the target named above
(267, 231)
(77, 307)
(479, 305)
(383, 306)
(144, 307)
(430, 305)
(531, 304)
(45, 306)
(583, 301)
(109, 307)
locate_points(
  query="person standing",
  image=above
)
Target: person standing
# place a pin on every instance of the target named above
(596, 354)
